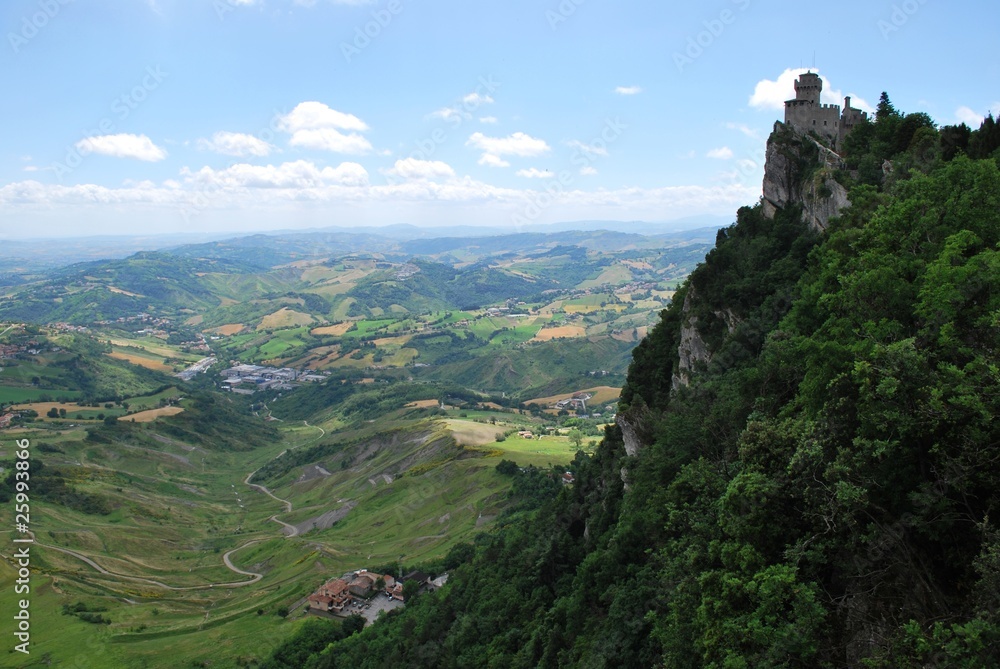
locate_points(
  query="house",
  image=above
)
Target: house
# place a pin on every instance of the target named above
(320, 602)
(418, 576)
(397, 592)
(568, 479)
(526, 434)
(332, 596)
(362, 584)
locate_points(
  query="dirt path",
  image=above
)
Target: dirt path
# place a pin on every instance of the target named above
(292, 530)
(225, 558)
(254, 576)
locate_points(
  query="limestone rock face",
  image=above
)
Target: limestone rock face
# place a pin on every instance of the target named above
(791, 176)
(692, 349)
(634, 425)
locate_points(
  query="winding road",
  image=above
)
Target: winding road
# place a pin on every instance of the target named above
(225, 558)
(254, 576)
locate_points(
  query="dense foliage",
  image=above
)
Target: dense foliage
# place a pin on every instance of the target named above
(823, 493)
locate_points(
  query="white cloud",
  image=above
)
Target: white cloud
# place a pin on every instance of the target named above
(772, 95)
(298, 174)
(969, 117)
(721, 153)
(244, 188)
(534, 173)
(236, 144)
(475, 99)
(972, 118)
(245, 198)
(491, 160)
(488, 119)
(588, 171)
(518, 144)
(628, 90)
(589, 149)
(330, 139)
(122, 145)
(316, 115)
(31, 168)
(446, 113)
(412, 168)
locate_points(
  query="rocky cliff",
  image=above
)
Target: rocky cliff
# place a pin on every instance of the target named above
(799, 170)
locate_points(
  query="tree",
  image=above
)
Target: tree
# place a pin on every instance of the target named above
(885, 109)
(576, 438)
(507, 468)
(410, 588)
(53, 413)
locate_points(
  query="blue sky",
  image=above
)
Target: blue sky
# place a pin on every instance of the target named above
(240, 115)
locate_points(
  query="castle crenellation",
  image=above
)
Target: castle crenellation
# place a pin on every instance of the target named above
(807, 114)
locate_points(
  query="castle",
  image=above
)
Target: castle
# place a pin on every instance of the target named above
(806, 114)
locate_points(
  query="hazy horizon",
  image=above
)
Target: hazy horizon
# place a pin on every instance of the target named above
(250, 115)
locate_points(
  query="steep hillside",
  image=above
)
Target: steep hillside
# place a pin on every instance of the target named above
(803, 473)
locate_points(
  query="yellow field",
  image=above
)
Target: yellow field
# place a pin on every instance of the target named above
(632, 334)
(468, 433)
(423, 404)
(123, 292)
(331, 330)
(152, 414)
(563, 331)
(590, 308)
(43, 407)
(637, 264)
(601, 395)
(283, 318)
(141, 361)
(195, 320)
(162, 351)
(227, 330)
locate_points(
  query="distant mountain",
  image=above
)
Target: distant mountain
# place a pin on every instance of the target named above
(32, 256)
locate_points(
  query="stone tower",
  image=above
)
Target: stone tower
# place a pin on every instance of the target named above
(808, 88)
(807, 114)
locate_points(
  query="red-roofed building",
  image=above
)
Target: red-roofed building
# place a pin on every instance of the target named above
(331, 596)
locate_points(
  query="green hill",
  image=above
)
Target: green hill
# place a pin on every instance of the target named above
(803, 474)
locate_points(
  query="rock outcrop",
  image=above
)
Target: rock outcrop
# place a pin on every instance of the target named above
(692, 349)
(634, 424)
(800, 170)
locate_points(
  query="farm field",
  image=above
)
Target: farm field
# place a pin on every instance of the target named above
(193, 521)
(601, 395)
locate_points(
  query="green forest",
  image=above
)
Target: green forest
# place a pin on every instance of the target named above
(822, 493)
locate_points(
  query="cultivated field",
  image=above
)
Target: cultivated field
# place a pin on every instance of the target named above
(560, 332)
(152, 414)
(601, 395)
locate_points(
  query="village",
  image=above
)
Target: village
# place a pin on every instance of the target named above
(249, 379)
(368, 594)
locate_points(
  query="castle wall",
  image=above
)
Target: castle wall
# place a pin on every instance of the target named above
(805, 113)
(850, 118)
(806, 117)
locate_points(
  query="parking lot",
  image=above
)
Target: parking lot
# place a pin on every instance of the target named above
(370, 609)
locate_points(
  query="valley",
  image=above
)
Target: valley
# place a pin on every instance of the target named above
(212, 446)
